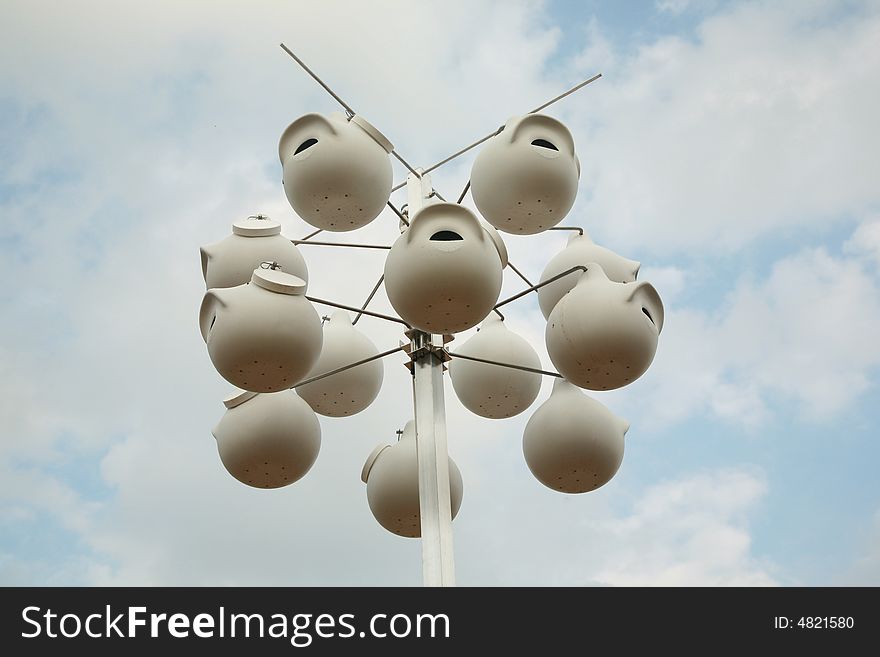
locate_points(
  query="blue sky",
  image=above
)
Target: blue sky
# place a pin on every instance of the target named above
(729, 147)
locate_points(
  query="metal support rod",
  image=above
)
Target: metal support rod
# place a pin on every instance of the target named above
(318, 80)
(577, 228)
(566, 93)
(518, 273)
(398, 213)
(405, 163)
(510, 365)
(464, 192)
(435, 507)
(540, 285)
(324, 302)
(339, 100)
(309, 236)
(349, 366)
(489, 136)
(353, 245)
(369, 298)
(452, 157)
(463, 150)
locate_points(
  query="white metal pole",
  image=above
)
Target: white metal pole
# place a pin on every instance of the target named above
(438, 566)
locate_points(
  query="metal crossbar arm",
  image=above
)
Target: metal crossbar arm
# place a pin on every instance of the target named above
(566, 93)
(519, 273)
(398, 212)
(406, 164)
(309, 236)
(369, 298)
(318, 80)
(540, 285)
(353, 245)
(464, 192)
(577, 228)
(354, 309)
(510, 365)
(348, 367)
(339, 100)
(489, 136)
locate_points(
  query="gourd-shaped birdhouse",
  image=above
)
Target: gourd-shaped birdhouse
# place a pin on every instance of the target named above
(443, 275)
(264, 336)
(392, 477)
(525, 178)
(580, 251)
(603, 335)
(494, 391)
(352, 390)
(337, 171)
(254, 240)
(268, 440)
(572, 443)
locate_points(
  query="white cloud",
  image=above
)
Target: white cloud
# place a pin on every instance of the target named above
(866, 240)
(672, 6)
(756, 126)
(807, 334)
(691, 532)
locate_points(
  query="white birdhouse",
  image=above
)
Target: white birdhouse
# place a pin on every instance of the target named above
(392, 477)
(572, 443)
(493, 391)
(351, 391)
(580, 251)
(525, 178)
(443, 275)
(264, 336)
(603, 335)
(337, 171)
(254, 240)
(268, 440)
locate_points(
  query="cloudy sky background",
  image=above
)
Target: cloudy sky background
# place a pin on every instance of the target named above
(730, 147)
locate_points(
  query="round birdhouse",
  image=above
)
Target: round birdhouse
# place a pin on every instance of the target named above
(443, 275)
(254, 240)
(268, 440)
(603, 335)
(572, 443)
(264, 336)
(392, 477)
(352, 390)
(337, 171)
(525, 178)
(493, 391)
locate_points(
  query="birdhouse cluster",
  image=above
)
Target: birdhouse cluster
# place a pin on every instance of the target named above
(443, 275)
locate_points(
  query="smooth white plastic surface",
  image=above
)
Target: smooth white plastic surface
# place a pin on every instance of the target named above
(254, 240)
(581, 250)
(260, 339)
(525, 178)
(392, 476)
(572, 443)
(268, 440)
(603, 335)
(493, 391)
(353, 390)
(443, 275)
(337, 173)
